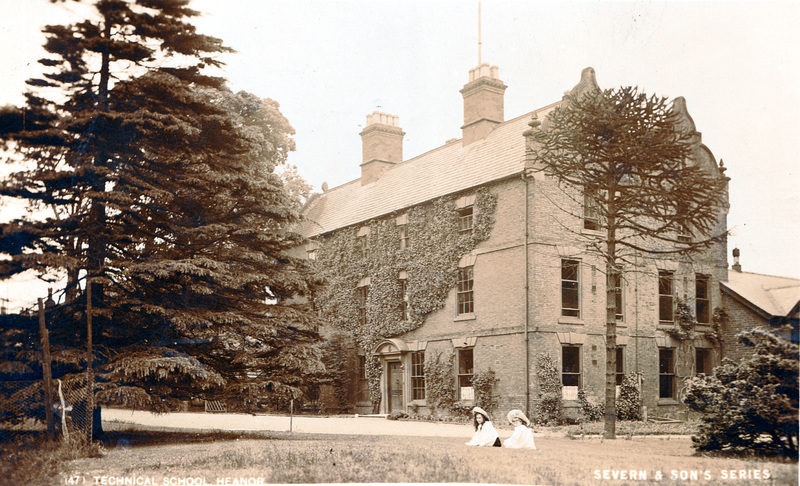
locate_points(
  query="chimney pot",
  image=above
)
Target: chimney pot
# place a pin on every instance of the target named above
(736, 267)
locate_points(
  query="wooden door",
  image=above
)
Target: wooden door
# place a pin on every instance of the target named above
(395, 374)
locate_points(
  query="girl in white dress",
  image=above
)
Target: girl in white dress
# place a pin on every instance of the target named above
(485, 433)
(522, 438)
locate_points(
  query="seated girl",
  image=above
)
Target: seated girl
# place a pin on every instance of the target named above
(485, 434)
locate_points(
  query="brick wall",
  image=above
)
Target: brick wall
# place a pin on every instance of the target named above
(496, 329)
(740, 319)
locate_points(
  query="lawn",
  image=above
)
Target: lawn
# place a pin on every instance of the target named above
(137, 457)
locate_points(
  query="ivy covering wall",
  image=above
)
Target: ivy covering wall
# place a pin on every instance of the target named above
(430, 261)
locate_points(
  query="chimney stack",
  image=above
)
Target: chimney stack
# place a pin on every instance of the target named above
(381, 145)
(736, 267)
(483, 103)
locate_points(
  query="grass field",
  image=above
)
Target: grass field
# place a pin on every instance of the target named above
(226, 458)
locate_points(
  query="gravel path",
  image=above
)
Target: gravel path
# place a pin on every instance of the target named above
(342, 424)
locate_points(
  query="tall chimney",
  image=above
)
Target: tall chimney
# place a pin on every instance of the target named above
(483, 103)
(736, 267)
(381, 145)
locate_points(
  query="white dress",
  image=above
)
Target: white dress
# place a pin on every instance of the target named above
(486, 435)
(522, 438)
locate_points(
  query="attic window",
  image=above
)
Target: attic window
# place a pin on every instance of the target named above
(362, 243)
(591, 218)
(464, 205)
(465, 220)
(402, 231)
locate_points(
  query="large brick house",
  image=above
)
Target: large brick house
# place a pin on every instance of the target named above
(525, 285)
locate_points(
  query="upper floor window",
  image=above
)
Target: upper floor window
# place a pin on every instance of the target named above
(701, 299)
(591, 216)
(418, 375)
(570, 288)
(665, 296)
(464, 294)
(403, 280)
(361, 301)
(616, 282)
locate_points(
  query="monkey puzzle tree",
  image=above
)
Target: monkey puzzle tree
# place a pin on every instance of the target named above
(162, 189)
(630, 161)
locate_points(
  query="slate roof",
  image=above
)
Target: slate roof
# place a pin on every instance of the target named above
(445, 170)
(773, 295)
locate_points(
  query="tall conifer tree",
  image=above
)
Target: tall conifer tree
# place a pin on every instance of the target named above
(160, 185)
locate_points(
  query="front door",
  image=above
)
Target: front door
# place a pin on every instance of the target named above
(395, 380)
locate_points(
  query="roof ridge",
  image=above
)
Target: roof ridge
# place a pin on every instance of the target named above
(768, 275)
(446, 145)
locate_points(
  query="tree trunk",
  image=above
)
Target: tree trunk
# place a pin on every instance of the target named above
(613, 279)
(609, 431)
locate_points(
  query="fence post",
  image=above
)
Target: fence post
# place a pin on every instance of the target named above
(48, 378)
(89, 358)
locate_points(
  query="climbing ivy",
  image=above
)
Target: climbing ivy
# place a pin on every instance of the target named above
(685, 328)
(550, 409)
(483, 382)
(685, 322)
(719, 319)
(439, 383)
(629, 401)
(430, 261)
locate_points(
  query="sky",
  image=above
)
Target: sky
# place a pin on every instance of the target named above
(331, 63)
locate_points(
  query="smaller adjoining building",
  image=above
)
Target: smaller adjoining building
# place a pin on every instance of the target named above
(754, 300)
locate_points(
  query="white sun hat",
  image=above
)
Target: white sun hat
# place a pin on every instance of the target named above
(518, 414)
(480, 411)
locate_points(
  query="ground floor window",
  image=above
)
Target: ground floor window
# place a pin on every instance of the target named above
(465, 371)
(570, 372)
(418, 375)
(363, 384)
(666, 373)
(571, 366)
(703, 362)
(620, 365)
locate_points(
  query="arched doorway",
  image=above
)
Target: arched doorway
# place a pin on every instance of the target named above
(392, 356)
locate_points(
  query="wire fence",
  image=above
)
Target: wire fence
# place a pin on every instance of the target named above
(23, 407)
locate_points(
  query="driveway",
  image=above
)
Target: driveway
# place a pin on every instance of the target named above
(340, 424)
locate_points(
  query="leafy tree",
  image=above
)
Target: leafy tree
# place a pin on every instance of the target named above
(751, 406)
(631, 162)
(295, 184)
(162, 190)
